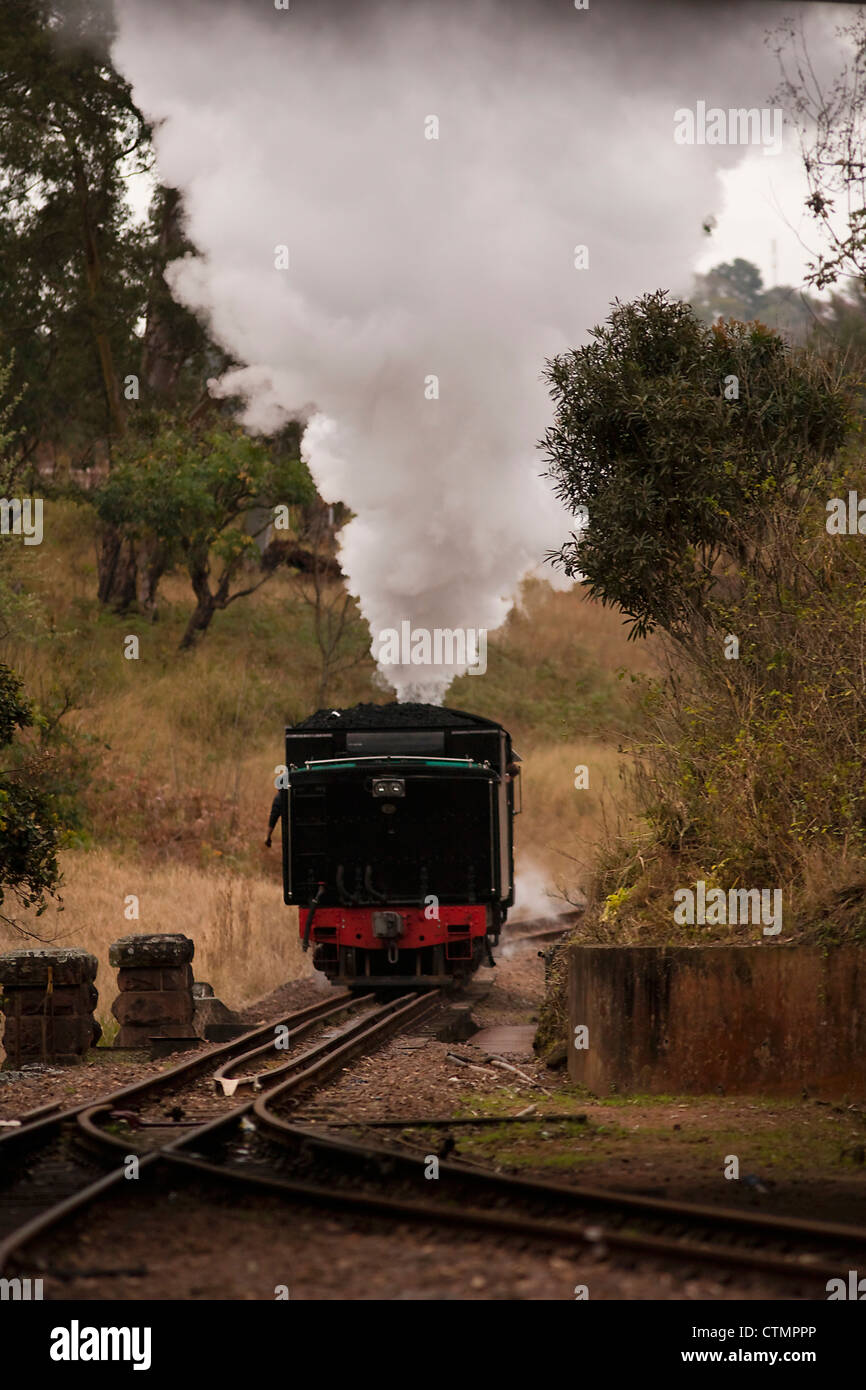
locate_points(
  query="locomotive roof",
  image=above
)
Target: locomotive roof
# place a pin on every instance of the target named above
(395, 716)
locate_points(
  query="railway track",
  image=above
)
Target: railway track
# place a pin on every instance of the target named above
(305, 1163)
(241, 1128)
(541, 930)
(381, 1180)
(58, 1161)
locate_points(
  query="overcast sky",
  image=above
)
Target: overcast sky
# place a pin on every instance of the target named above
(759, 207)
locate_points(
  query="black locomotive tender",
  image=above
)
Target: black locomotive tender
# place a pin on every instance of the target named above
(398, 844)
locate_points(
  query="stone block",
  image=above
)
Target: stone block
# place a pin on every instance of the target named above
(141, 979)
(211, 1010)
(140, 1034)
(46, 1038)
(61, 1003)
(160, 948)
(42, 966)
(156, 1007)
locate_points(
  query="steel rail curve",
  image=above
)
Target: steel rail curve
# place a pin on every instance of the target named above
(321, 1059)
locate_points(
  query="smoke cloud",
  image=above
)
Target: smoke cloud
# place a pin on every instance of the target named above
(431, 171)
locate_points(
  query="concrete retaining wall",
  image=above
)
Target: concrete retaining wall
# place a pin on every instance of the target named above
(764, 1018)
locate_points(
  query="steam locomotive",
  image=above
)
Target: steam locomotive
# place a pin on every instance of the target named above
(397, 840)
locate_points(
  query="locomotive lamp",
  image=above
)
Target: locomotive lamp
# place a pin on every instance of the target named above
(393, 786)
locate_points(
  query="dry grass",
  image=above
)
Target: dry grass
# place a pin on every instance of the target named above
(256, 669)
(560, 825)
(551, 619)
(554, 669)
(246, 939)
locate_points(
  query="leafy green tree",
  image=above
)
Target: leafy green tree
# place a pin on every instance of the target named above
(733, 289)
(83, 301)
(72, 266)
(736, 290)
(17, 607)
(29, 831)
(679, 440)
(204, 495)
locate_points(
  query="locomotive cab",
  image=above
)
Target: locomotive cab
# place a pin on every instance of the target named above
(397, 842)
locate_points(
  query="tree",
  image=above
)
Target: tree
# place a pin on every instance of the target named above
(16, 606)
(29, 831)
(733, 289)
(679, 439)
(83, 300)
(840, 324)
(177, 358)
(71, 261)
(201, 495)
(736, 290)
(339, 631)
(72, 269)
(177, 353)
(10, 466)
(831, 123)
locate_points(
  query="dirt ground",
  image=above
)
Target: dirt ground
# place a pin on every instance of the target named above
(197, 1245)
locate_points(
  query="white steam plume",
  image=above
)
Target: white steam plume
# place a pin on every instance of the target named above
(411, 258)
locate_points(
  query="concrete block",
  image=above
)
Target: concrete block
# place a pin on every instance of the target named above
(765, 1018)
